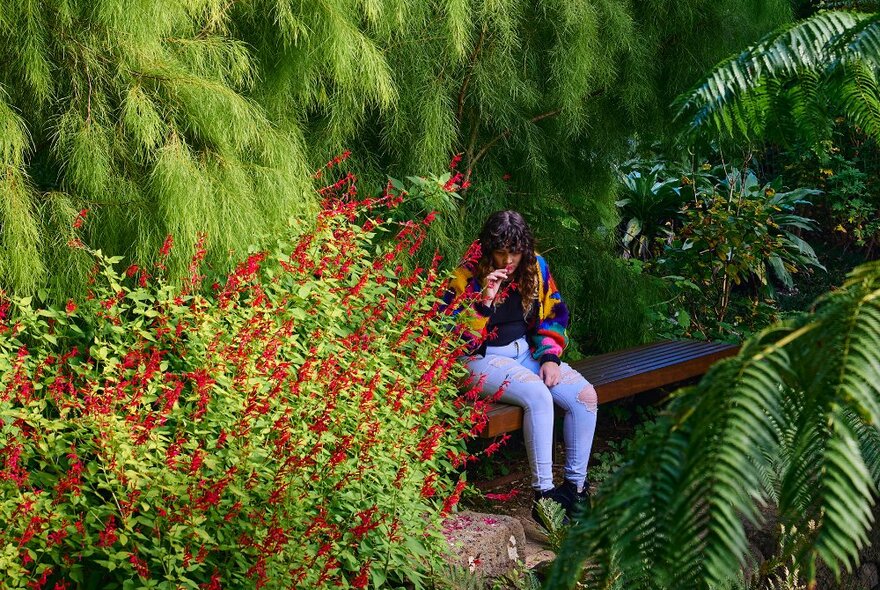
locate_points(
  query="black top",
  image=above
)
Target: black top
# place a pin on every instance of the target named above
(507, 322)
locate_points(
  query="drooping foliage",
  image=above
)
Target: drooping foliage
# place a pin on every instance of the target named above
(166, 117)
(790, 425)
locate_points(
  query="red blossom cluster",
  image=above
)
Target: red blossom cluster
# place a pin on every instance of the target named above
(457, 180)
(80, 218)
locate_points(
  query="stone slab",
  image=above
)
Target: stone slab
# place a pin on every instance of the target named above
(486, 545)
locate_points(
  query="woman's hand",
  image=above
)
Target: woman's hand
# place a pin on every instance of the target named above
(549, 373)
(493, 283)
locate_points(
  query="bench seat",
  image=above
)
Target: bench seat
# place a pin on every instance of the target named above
(627, 372)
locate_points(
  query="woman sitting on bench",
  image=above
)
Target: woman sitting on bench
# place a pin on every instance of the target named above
(523, 321)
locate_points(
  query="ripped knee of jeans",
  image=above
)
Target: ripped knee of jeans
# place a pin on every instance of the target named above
(588, 397)
(500, 362)
(524, 376)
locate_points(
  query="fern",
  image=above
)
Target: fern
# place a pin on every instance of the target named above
(791, 80)
(791, 422)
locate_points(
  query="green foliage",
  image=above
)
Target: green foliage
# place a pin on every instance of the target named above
(845, 167)
(167, 117)
(290, 426)
(138, 113)
(790, 422)
(552, 519)
(720, 239)
(742, 232)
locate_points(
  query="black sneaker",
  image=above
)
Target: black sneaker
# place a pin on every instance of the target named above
(558, 495)
(572, 500)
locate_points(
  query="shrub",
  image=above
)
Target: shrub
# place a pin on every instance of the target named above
(722, 241)
(741, 234)
(293, 425)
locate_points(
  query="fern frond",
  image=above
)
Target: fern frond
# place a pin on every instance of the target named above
(792, 420)
(806, 53)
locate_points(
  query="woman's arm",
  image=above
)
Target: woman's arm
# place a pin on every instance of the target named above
(463, 302)
(550, 336)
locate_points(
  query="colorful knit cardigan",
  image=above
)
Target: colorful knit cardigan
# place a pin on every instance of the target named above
(546, 331)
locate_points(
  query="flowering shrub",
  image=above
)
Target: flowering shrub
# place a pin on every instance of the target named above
(294, 425)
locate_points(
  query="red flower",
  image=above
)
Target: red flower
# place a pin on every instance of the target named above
(70, 307)
(214, 583)
(56, 537)
(366, 522)
(80, 218)
(453, 498)
(453, 181)
(362, 579)
(108, 536)
(165, 250)
(140, 566)
(502, 497)
(474, 252)
(493, 448)
(428, 489)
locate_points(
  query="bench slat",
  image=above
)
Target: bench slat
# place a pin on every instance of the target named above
(635, 352)
(627, 367)
(648, 356)
(620, 374)
(626, 386)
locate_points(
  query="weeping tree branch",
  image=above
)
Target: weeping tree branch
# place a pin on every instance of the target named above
(472, 162)
(471, 61)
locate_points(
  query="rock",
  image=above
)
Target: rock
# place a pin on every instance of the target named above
(540, 560)
(487, 545)
(868, 577)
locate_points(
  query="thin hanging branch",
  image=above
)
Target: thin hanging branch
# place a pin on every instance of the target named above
(503, 135)
(471, 61)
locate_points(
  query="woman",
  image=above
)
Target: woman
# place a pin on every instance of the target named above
(522, 321)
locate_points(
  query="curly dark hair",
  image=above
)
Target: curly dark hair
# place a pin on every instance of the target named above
(507, 230)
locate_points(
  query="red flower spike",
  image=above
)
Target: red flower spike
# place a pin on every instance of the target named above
(453, 498)
(167, 245)
(108, 536)
(80, 218)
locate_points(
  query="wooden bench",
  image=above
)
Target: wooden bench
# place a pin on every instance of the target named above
(628, 372)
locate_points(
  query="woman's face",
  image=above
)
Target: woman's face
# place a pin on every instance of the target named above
(506, 259)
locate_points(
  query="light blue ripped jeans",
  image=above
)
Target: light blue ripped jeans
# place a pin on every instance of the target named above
(514, 364)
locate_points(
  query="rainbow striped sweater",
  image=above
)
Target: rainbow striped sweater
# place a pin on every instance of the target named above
(546, 330)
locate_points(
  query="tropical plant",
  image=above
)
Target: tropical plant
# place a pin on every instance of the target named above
(791, 423)
(648, 201)
(728, 240)
(295, 424)
(743, 229)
